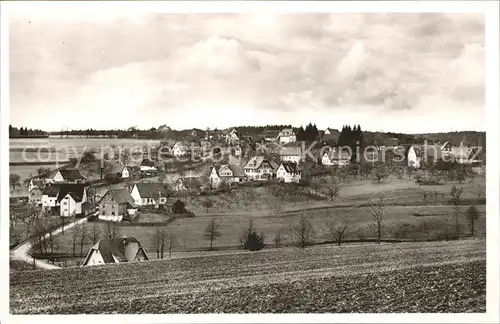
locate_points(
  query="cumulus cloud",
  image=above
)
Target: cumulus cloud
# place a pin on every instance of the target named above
(219, 70)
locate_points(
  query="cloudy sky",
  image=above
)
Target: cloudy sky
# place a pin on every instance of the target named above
(394, 72)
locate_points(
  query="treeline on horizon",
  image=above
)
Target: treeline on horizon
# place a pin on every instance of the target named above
(26, 132)
(347, 135)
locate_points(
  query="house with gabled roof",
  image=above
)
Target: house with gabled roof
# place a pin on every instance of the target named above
(132, 172)
(336, 157)
(69, 197)
(291, 154)
(231, 173)
(259, 168)
(288, 172)
(35, 189)
(331, 135)
(66, 176)
(287, 135)
(117, 250)
(180, 149)
(145, 194)
(147, 165)
(188, 184)
(115, 204)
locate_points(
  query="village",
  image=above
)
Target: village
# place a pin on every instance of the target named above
(180, 179)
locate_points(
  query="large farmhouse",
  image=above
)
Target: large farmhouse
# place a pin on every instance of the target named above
(115, 204)
(259, 168)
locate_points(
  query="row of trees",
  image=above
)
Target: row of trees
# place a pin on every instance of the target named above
(26, 132)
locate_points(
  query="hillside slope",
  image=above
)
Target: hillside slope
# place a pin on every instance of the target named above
(405, 277)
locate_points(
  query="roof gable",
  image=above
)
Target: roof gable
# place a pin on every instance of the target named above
(151, 190)
(290, 167)
(71, 174)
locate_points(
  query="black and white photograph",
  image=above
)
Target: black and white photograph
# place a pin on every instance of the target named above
(250, 158)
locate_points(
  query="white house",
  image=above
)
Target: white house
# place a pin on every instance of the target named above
(147, 165)
(36, 182)
(231, 173)
(291, 154)
(65, 175)
(71, 205)
(130, 171)
(115, 250)
(287, 135)
(68, 197)
(179, 149)
(214, 177)
(148, 194)
(288, 172)
(259, 168)
(336, 157)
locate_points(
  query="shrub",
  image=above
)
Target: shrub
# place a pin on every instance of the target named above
(254, 242)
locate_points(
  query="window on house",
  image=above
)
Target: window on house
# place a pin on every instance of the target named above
(144, 200)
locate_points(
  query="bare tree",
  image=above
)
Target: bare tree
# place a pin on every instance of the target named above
(74, 236)
(455, 199)
(302, 233)
(83, 236)
(212, 232)
(377, 210)
(39, 230)
(14, 181)
(95, 233)
(333, 192)
(337, 230)
(113, 231)
(472, 216)
(207, 203)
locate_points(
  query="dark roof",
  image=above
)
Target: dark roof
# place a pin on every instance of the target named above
(120, 196)
(50, 190)
(172, 201)
(75, 197)
(67, 174)
(290, 167)
(236, 169)
(115, 247)
(77, 189)
(71, 174)
(38, 183)
(148, 162)
(151, 190)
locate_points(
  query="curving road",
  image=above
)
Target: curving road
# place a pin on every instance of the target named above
(21, 252)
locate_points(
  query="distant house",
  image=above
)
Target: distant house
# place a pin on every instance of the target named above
(147, 165)
(180, 149)
(465, 155)
(131, 172)
(193, 133)
(164, 128)
(35, 196)
(336, 157)
(331, 135)
(287, 135)
(291, 154)
(231, 173)
(259, 168)
(116, 250)
(236, 150)
(270, 135)
(145, 194)
(232, 136)
(36, 182)
(416, 154)
(67, 196)
(65, 175)
(175, 206)
(115, 204)
(214, 177)
(189, 184)
(288, 172)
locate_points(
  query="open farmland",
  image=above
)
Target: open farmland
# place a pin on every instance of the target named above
(401, 222)
(404, 277)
